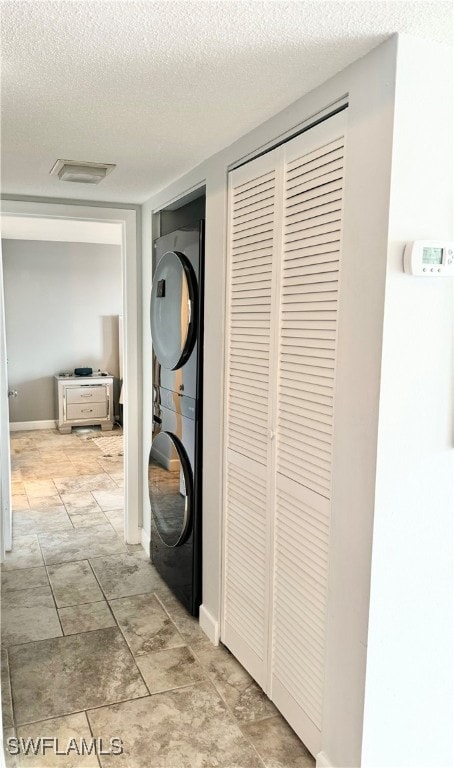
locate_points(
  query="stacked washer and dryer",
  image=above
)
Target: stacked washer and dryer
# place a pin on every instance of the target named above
(175, 463)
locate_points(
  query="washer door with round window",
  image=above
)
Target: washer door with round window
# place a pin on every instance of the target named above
(173, 310)
(171, 489)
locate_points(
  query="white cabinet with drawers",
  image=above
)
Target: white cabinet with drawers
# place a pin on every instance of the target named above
(84, 400)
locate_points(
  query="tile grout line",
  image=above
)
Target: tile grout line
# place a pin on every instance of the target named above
(57, 637)
(67, 530)
(10, 687)
(46, 567)
(126, 701)
(103, 594)
(79, 711)
(26, 568)
(76, 605)
(51, 588)
(121, 701)
(210, 677)
(92, 736)
(149, 693)
(142, 594)
(55, 601)
(160, 600)
(232, 716)
(13, 707)
(120, 629)
(263, 719)
(229, 709)
(97, 511)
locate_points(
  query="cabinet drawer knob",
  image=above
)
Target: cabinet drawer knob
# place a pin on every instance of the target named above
(86, 410)
(90, 394)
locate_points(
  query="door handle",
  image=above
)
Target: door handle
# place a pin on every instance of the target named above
(12, 392)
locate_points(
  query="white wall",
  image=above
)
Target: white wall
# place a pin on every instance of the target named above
(369, 84)
(62, 302)
(61, 230)
(409, 683)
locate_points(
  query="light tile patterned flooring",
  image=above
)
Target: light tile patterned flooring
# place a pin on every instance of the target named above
(94, 644)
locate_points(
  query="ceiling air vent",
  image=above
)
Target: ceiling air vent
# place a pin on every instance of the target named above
(81, 172)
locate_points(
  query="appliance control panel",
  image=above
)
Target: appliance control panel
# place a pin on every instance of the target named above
(429, 258)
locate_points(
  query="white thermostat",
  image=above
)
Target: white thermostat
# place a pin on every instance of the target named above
(429, 258)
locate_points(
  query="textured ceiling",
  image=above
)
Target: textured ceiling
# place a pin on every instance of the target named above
(156, 87)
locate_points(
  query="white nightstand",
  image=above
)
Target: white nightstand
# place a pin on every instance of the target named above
(84, 400)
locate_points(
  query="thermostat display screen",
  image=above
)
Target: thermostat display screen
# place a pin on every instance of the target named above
(432, 255)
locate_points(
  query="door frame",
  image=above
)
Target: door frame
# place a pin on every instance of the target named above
(128, 218)
(6, 532)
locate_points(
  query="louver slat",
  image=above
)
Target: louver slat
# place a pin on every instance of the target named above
(313, 193)
(315, 206)
(256, 203)
(253, 250)
(255, 187)
(316, 156)
(317, 171)
(318, 254)
(313, 218)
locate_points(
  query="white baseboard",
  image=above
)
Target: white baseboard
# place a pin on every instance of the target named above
(145, 540)
(209, 625)
(322, 761)
(134, 538)
(173, 465)
(24, 426)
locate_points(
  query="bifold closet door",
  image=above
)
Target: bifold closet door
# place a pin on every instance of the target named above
(285, 226)
(254, 209)
(309, 294)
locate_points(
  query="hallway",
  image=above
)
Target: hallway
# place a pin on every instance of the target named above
(94, 644)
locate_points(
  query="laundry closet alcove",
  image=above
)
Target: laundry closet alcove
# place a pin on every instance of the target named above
(283, 290)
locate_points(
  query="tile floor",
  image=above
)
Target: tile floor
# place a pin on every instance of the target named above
(94, 644)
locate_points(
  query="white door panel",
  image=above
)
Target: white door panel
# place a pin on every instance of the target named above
(284, 256)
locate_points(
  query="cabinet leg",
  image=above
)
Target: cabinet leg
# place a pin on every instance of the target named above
(64, 430)
(107, 427)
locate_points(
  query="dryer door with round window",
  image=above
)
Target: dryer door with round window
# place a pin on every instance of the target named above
(173, 311)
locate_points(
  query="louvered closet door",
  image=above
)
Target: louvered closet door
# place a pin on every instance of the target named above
(309, 292)
(252, 251)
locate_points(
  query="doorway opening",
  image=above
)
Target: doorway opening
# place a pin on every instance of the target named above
(61, 224)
